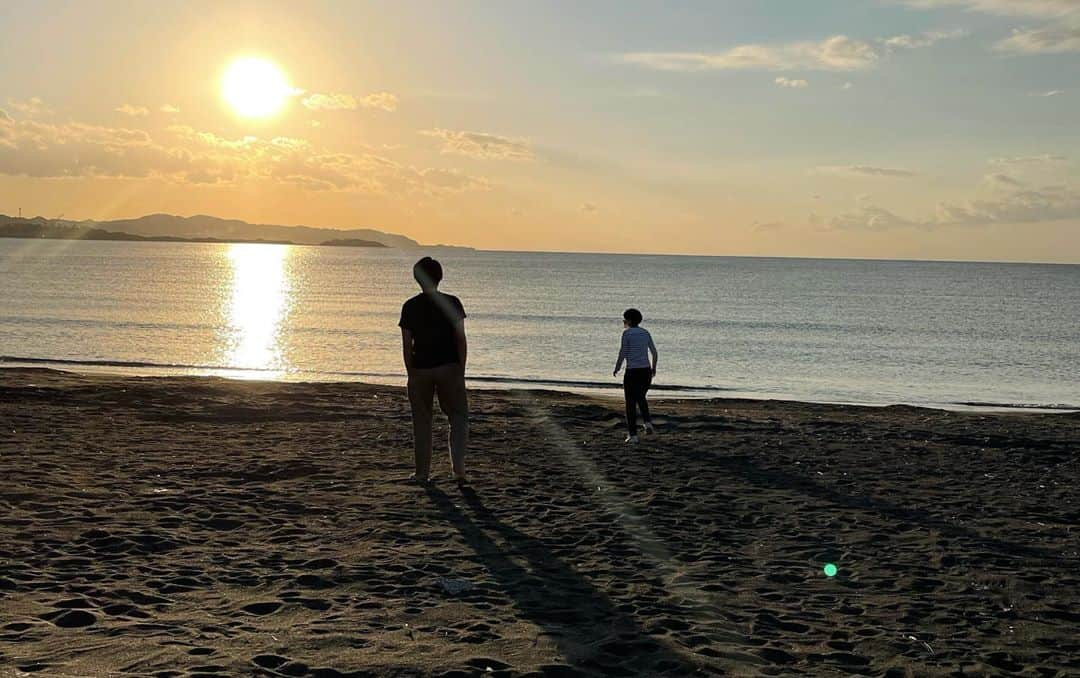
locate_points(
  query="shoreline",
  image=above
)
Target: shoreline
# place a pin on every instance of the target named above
(608, 390)
(181, 525)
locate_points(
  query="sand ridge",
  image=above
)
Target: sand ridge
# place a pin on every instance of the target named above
(193, 526)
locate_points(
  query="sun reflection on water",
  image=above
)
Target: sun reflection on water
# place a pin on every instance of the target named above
(260, 303)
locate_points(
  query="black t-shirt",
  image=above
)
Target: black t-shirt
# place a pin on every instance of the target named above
(431, 318)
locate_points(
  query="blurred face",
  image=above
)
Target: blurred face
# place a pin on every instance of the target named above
(423, 279)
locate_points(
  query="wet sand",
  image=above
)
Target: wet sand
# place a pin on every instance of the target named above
(193, 526)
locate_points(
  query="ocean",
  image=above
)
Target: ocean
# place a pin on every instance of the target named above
(854, 331)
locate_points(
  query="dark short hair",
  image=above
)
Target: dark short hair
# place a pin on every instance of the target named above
(632, 316)
(428, 272)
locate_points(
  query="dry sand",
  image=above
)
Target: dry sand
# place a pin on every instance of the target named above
(189, 526)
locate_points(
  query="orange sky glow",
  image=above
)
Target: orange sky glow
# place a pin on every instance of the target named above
(918, 130)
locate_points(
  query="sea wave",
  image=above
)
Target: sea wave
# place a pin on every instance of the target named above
(556, 384)
(326, 375)
(1019, 406)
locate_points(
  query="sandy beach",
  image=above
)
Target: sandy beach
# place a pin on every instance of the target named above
(195, 526)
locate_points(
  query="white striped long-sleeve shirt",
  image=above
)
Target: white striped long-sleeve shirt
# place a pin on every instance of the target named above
(637, 344)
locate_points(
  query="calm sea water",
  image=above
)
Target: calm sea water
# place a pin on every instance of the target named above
(823, 330)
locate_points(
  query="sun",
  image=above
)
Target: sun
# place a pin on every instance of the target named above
(255, 88)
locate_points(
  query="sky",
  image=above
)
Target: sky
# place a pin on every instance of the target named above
(926, 129)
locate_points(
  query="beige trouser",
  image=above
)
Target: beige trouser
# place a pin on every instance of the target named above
(449, 382)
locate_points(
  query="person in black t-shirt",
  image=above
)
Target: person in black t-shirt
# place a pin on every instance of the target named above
(435, 349)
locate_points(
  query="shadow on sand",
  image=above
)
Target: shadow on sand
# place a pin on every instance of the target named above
(593, 636)
(900, 515)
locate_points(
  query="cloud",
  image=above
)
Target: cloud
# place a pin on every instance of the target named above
(185, 155)
(169, 109)
(847, 85)
(481, 145)
(864, 170)
(190, 134)
(920, 41)
(7, 131)
(384, 100)
(1060, 33)
(329, 102)
(1013, 204)
(870, 218)
(38, 149)
(1045, 9)
(133, 111)
(836, 53)
(1050, 93)
(29, 107)
(795, 84)
(345, 102)
(1029, 159)
(1053, 39)
(1004, 179)
(452, 180)
(1049, 203)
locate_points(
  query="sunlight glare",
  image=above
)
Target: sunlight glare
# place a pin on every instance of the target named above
(261, 294)
(255, 88)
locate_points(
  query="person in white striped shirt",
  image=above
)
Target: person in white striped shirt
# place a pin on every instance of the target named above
(637, 345)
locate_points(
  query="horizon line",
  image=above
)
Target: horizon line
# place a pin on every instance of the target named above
(556, 251)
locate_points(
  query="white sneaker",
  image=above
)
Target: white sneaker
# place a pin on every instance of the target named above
(649, 428)
(632, 440)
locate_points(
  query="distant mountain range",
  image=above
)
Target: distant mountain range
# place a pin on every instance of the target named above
(206, 228)
(65, 232)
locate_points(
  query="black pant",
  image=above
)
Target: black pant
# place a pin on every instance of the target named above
(636, 384)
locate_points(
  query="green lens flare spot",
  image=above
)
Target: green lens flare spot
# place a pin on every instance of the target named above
(830, 570)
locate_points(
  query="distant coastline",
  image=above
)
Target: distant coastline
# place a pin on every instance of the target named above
(203, 228)
(48, 232)
(352, 242)
(51, 232)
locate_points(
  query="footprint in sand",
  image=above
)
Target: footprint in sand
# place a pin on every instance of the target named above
(222, 524)
(280, 665)
(269, 661)
(313, 581)
(124, 610)
(262, 609)
(320, 564)
(560, 671)
(776, 656)
(73, 619)
(33, 668)
(17, 627)
(315, 603)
